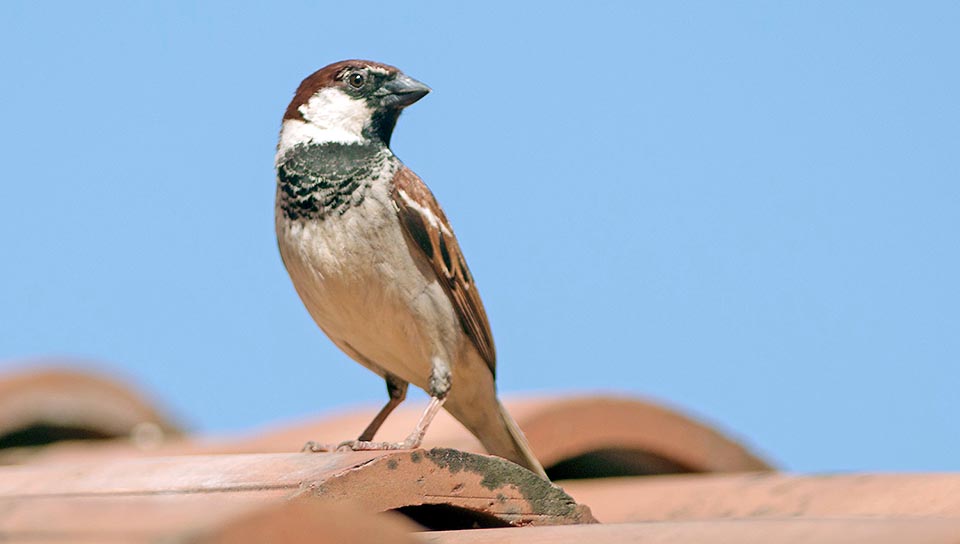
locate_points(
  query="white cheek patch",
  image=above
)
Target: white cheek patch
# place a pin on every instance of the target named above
(331, 115)
(333, 109)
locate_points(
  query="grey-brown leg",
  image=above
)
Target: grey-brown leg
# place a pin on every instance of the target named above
(439, 387)
(397, 389)
(411, 442)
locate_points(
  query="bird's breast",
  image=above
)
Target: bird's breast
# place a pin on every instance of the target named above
(340, 265)
(362, 284)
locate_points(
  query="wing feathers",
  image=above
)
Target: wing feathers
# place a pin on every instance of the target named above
(429, 229)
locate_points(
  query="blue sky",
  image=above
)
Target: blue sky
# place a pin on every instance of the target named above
(747, 210)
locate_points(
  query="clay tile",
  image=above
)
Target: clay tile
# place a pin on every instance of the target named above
(180, 519)
(821, 531)
(437, 488)
(299, 522)
(38, 407)
(770, 495)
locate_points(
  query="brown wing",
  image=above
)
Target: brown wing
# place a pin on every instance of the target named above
(429, 229)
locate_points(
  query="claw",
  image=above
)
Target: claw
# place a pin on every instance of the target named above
(412, 442)
(363, 445)
(316, 447)
(347, 445)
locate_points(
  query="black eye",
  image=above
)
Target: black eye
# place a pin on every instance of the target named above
(356, 80)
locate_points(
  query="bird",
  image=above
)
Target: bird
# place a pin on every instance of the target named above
(375, 261)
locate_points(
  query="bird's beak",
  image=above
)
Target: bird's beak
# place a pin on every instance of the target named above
(402, 91)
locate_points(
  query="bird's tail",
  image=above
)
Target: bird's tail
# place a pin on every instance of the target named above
(476, 405)
(524, 455)
(504, 438)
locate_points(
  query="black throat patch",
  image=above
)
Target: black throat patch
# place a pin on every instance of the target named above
(318, 180)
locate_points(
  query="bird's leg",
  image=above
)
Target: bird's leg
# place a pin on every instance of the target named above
(416, 437)
(439, 387)
(396, 389)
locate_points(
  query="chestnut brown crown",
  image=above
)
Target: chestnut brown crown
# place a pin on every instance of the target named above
(358, 78)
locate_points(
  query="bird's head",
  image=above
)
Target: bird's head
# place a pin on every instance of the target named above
(350, 101)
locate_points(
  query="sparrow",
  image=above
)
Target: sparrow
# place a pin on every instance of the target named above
(375, 260)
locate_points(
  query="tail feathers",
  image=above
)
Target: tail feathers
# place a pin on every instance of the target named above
(505, 439)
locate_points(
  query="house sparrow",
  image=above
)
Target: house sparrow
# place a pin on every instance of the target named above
(375, 260)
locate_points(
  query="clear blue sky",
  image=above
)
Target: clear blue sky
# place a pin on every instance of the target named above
(748, 210)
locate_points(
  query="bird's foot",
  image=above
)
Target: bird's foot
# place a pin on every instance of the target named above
(358, 445)
(366, 445)
(412, 441)
(317, 447)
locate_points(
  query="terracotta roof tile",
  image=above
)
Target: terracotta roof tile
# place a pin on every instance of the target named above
(806, 531)
(302, 522)
(207, 521)
(433, 487)
(51, 404)
(720, 496)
